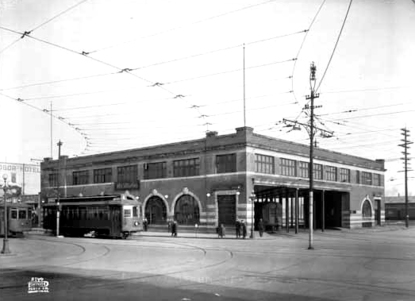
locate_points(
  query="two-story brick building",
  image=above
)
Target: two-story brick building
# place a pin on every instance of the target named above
(220, 178)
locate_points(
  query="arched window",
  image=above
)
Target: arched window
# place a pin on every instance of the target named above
(366, 209)
(186, 211)
(156, 211)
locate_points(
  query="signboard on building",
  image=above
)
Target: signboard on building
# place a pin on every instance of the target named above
(27, 176)
(127, 186)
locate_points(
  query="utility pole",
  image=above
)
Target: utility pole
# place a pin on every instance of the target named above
(58, 190)
(311, 129)
(405, 145)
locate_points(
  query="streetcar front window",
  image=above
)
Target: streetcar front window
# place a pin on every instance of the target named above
(135, 212)
(127, 212)
(22, 214)
(14, 214)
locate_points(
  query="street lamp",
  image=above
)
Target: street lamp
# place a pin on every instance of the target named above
(252, 198)
(5, 249)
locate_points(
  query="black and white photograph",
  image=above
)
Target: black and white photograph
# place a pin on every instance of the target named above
(192, 150)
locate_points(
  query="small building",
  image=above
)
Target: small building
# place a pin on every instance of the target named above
(221, 178)
(395, 207)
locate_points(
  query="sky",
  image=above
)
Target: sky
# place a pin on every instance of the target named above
(107, 75)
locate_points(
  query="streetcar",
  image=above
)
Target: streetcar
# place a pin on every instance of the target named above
(19, 218)
(115, 216)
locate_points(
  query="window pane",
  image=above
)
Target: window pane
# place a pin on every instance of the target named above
(288, 167)
(226, 163)
(184, 168)
(264, 164)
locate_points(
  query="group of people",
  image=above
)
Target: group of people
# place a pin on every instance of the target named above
(240, 228)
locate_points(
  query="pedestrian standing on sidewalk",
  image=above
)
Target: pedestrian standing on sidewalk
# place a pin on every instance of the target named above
(238, 228)
(221, 231)
(175, 228)
(243, 229)
(261, 227)
(145, 224)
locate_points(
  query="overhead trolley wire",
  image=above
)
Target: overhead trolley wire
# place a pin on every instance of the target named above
(335, 45)
(228, 71)
(217, 50)
(301, 47)
(58, 15)
(182, 26)
(27, 33)
(58, 81)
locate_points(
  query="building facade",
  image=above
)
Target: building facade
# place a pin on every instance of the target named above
(221, 178)
(395, 207)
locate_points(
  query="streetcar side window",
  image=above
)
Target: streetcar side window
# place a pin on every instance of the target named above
(22, 214)
(135, 212)
(127, 212)
(14, 214)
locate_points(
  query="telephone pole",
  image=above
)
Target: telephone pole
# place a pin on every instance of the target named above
(405, 145)
(58, 190)
(311, 129)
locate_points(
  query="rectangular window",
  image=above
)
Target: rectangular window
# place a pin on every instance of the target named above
(127, 212)
(186, 168)
(155, 170)
(127, 174)
(22, 214)
(225, 163)
(53, 179)
(344, 175)
(264, 164)
(366, 178)
(103, 175)
(376, 179)
(288, 167)
(80, 177)
(357, 176)
(303, 169)
(331, 173)
(318, 172)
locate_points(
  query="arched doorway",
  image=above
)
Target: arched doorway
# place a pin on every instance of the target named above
(186, 210)
(366, 210)
(366, 213)
(156, 211)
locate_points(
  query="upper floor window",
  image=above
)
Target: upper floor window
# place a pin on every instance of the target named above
(376, 180)
(344, 175)
(155, 170)
(53, 179)
(366, 178)
(80, 177)
(357, 176)
(303, 169)
(103, 175)
(127, 174)
(318, 172)
(264, 164)
(186, 168)
(226, 163)
(331, 173)
(288, 167)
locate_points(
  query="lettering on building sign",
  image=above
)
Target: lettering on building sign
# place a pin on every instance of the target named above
(126, 186)
(10, 167)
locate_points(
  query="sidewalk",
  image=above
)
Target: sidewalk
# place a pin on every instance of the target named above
(200, 235)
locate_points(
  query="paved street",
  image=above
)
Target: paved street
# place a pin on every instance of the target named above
(367, 264)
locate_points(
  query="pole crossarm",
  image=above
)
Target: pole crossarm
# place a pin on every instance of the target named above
(295, 126)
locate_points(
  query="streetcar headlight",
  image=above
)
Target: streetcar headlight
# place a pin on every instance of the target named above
(135, 223)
